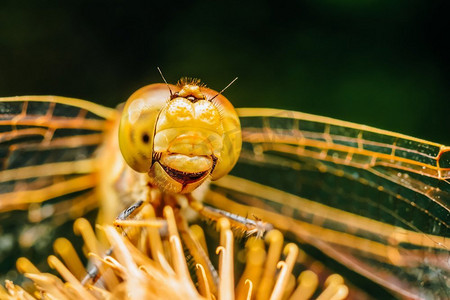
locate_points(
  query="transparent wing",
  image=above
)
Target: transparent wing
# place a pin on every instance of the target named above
(375, 201)
(47, 168)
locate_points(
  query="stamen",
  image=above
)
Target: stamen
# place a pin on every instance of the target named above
(154, 242)
(23, 265)
(82, 227)
(171, 223)
(275, 240)
(203, 283)
(335, 288)
(121, 252)
(250, 289)
(56, 264)
(179, 261)
(143, 277)
(226, 266)
(15, 291)
(49, 284)
(334, 279)
(104, 293)
(291, 252)
(255, 258)
(177, 253)
(111, 262)
(199, 235)
(290, 286)
(197, 252)
(63, 247)
(308, 282)
(136, 283)
(220, 249)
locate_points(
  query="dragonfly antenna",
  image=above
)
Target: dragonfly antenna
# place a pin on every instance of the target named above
(223, 90)
(162, 76)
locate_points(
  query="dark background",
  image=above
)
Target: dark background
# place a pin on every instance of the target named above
(380, 63)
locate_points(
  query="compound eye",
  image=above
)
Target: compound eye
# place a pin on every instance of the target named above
(137, 125)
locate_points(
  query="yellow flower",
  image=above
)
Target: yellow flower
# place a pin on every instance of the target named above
(147, 261)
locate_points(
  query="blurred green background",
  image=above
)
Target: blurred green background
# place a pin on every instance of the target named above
(380, 63)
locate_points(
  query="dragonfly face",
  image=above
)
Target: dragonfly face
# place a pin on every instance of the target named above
(180, 137)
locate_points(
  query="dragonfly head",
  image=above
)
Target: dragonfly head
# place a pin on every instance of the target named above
(178, 136)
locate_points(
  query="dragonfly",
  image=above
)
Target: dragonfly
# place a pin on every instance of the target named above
(374, 201)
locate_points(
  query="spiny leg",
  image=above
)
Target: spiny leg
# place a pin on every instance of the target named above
(128, 213)
(239, 223)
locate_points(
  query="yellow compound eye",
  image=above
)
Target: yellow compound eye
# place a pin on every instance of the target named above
(231, 138)
(137, 125)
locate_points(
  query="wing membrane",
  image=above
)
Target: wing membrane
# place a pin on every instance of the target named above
(45, 141)
(47, 169)
(374, 200)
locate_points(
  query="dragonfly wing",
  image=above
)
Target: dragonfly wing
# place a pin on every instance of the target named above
(47, 167)
(373, 200)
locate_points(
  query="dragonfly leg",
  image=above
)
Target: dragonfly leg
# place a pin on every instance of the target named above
(242, 224)
(128, 212)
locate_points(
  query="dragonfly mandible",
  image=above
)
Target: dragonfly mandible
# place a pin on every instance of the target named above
(373, 200)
